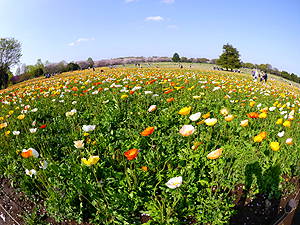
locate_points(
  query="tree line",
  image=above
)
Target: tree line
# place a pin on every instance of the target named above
(230, 59)
(10, 54)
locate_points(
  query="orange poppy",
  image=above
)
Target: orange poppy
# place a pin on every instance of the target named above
(215, 154)
(27, 154)
(253, 115)
(263, 134)
(145, 168)
(147, 131)
(170, 99)
(169, 91)
(131, 154)
(151, 81)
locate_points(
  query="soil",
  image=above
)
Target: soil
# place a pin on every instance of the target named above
(263, 211)
(257, 211)
(14, 205)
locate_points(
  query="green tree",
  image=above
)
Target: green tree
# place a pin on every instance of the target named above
(176, 57)
(72, 66)
(10, 54)
(203, 60)
(230, 58)
(183, 59)
(90, 62)
(248, 65)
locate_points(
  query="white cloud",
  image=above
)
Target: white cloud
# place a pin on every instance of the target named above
(128, 1)
(81, 40)
(168, 1)
(154, 18)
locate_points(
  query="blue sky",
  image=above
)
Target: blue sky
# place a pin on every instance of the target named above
(264, 31)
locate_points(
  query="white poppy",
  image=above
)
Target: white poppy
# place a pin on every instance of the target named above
(30, 172)
(187, 130)
(280, 134)
(16, 132)
(174, 182)
(195, 117)
(88, 128)
(152, 108)
(79, 144)
(33, 130)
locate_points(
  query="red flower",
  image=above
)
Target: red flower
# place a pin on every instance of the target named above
(170, 99)
(151, 81)
(147, 131)
(169, 91)
(131, 154)
(253, 115)
(27, 154)
(43, 126)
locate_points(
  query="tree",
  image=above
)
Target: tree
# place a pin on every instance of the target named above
(90, 62)
(213, 61)
(203, 60)
(10, 54)
(72, 66)
(248, 65)
(230, 58)
(176, 57)
(183, 59)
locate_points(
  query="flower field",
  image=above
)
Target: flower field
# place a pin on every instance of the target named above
(153, 146)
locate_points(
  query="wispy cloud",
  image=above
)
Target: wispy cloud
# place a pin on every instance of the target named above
(154, 18)
(168, 1)
(77, 42)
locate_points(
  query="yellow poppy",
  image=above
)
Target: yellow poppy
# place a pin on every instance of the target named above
(20, 117)
(185, 111)
(279, 121)
(274, 146)
(91, 161)
(287, 123)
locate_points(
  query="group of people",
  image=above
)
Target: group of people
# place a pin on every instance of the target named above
(259, 76)
(222, 69)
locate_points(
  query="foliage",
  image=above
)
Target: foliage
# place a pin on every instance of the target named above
(72, 66)
(267, 68)
(230, 58)
(183, 59)
(90, 61)
(176, 57)
(10, 52)
(49, 115)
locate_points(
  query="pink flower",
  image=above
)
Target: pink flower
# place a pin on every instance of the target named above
(187, 130)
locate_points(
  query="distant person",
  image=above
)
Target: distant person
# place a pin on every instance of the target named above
(265, 77)
(255, 76)
(260, 77)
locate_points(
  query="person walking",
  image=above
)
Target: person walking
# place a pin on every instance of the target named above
(265, 77)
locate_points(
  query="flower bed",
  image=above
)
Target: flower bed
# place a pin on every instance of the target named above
(148, 145)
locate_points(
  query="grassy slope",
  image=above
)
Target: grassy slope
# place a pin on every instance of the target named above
(194, 66)
(206, 66)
